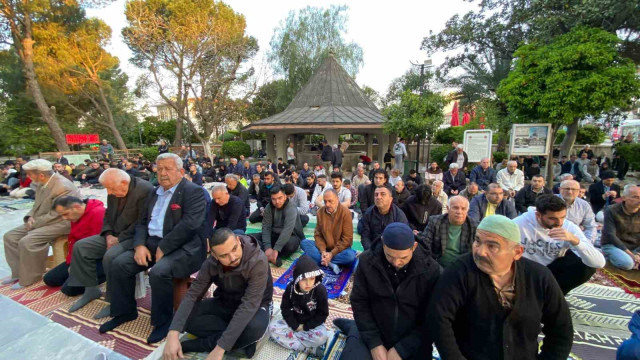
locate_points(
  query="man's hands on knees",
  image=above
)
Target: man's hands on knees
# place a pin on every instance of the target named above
(379, 353)
(111, 240)
(392, 354)
(29, 223)
(142, 255)
(326, 258)
(173, 348)
(272, 255)
(216, 354)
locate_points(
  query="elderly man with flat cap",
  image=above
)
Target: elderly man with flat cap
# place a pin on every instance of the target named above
(493, 303)
(27, 246)
(392, 287)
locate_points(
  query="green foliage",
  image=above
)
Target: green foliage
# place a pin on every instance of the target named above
(302, 41)
(154, 130)
(150, 153)
(590, 134)
(499, 155)
(438, 154)
(448, 135)
(268, 100)
(560, 135)
(631, 153)
(227, 136)
(577, 75)
(415, 115)
(235, 149)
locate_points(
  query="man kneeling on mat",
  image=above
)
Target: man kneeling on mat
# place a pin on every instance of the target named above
(237, 316)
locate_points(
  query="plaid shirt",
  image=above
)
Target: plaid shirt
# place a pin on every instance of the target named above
(435, 236)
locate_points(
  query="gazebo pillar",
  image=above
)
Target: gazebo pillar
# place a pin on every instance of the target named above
(270, 149)
(369, 141)
(281, 145)
(383, 144)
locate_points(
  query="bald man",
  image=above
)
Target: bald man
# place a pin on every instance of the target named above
(492, 303)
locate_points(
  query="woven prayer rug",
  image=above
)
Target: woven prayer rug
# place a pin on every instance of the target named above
(628, 280)
(334, 283)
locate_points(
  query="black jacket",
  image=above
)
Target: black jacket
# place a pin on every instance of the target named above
(452, 157)
(467, 321)
(394, 318)
(196, 178)
(373, 224)
(327, 153)
(309, 309)
(525, 197)
(184, 226)
(417, 179)
(459, 182)
(263, 196)
(366, 192)
(245, 288)
(478, 207)
(418, 214)
(242, 192)
(123, 213)
(596, 191)
(403, 196)
(337, 157)
(232, 216)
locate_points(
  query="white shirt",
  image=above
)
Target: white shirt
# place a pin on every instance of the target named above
(290, 154)
(509, 181)
(156, 224)
(581, 214)
(460, 160)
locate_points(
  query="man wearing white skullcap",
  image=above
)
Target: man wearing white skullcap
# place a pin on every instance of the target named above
(26, 247)
(492, 303)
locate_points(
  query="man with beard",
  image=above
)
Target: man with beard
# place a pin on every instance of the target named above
(263, 197)
(558, 244)
(378, 217)
(578, 210)
(492, 303)
(365, 192)
(419, 207)
(527, 195)
(240, 191)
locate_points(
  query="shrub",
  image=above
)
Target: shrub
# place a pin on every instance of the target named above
(631, 153)
(150, 153)
(450, 134)
(235, 149)
(590, 134)
(438, 154)
(227, 136)
(499, 155)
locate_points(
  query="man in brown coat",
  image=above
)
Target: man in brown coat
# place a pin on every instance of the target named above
(333, 235)
(26, 247)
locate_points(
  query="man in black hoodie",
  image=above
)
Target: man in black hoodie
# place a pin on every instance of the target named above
(241, 300)
(392, 286)
(419, 207)
(326, 156)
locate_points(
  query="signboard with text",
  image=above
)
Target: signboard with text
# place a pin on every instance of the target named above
(530, 139)
(477, 144)
(79, 139)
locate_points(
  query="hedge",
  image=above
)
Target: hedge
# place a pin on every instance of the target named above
(235, 149)
(150, 153)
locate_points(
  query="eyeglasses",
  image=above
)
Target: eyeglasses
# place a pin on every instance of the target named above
(569, 189)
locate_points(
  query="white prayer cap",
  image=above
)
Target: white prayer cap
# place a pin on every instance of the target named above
(460, 146)
(38, 165)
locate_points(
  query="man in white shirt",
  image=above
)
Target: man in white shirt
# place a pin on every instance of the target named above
(344, 194)
(360, 178)
(558, 244)
(511, 179)
(321, 184)
(299, 198)
(291, 157)
(579, 211)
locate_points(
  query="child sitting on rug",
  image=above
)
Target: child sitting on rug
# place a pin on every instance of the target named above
(304, 307)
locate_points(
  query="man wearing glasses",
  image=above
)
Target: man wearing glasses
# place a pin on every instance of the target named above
(579, 211)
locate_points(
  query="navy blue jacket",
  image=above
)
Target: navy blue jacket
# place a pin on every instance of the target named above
(478, 207)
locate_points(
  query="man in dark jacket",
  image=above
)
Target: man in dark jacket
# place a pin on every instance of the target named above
(237, 315)
(281, 227)
(226, 211)
(326, 156)
(454, 180)
(196, 176)
(621, 231)
(527, 196)
(492, 304)
(419, 207)
(458, 156)
(235, 188)
(413, 176)
(263, 197)
(492, 202)
(483, 174)
(378, 217)
(604, 192)
(365, 192)
(91, 174)
(450, 235)
(125, 205)
(392, 285)
(337, 157)
(169, 238)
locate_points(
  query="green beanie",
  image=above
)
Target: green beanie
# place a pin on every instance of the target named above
(501, 225)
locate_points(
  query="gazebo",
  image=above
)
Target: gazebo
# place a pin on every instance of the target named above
(330, 104)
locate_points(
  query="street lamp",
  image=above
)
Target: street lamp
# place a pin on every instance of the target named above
(427, 63)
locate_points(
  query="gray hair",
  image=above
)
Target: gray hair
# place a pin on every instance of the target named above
(564, 183)
(256, 176)
(628, 188)
(438, 182)
(116, 174)
(485, 158)
(233, 177)
(456, 198)
(332, 191)
(233, 159)
(512, 162)
(454, 166)
(218, 188)
(493, 186)
(566, 176)
(175, 158)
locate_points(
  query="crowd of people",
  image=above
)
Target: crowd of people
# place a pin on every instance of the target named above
(474, 260)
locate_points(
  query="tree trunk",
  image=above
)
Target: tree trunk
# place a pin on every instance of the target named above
(112, 122)
(549, 174)
(178, 139)
(570, 138)
(502, 144)
(33, 86)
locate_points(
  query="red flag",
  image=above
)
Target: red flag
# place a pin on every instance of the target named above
(455, 117)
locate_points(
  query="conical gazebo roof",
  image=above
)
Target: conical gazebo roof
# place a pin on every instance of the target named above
(330, 98)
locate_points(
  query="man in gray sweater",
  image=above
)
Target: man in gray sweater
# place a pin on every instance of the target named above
(281, 227)
(299, 198)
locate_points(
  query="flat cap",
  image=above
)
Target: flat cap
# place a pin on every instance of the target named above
(38, 165)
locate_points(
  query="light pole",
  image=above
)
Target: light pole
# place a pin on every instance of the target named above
(426, 63)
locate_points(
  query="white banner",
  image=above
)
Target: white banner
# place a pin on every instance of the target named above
(477, 144)
(530, 139)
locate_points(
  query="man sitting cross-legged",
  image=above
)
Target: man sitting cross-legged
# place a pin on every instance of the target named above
(226, 211)
(169, 239)
(27, 245)
(621, 231)
(492, 303)
(125, 204)
(333, 235)
(450, 235)
(86, 220)
(238, 314)
(391, 289)
(558, 244)
(281, 227)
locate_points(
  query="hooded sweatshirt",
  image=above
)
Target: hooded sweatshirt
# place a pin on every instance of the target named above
(89, 224)
(310, 309)
(539, 247)
(630, 348)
